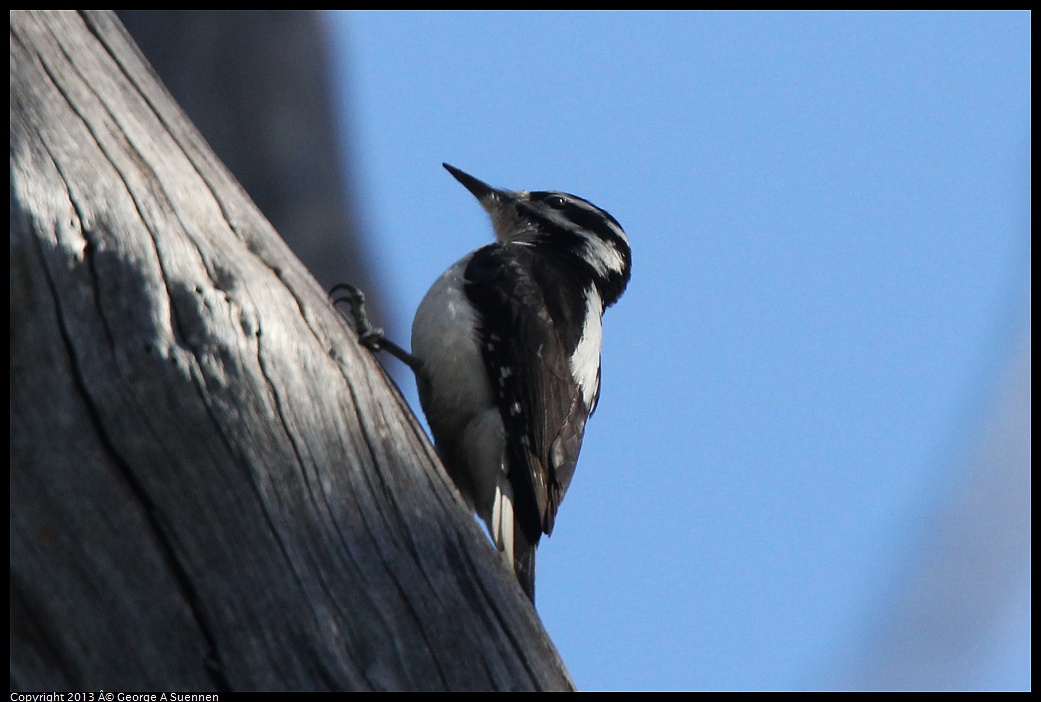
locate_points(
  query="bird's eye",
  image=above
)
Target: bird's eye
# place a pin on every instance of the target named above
(556, 201)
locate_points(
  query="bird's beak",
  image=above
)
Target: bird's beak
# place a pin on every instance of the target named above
(485, 193)
(497, 203)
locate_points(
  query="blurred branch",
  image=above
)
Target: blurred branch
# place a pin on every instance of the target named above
(258, 86)
(970, 561)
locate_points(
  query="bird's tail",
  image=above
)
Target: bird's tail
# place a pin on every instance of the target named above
(512, 540)
(524, 562)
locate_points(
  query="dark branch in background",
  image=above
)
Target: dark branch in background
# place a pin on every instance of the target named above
(258, 86)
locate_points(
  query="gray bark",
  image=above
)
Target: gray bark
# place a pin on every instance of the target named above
(213, 487)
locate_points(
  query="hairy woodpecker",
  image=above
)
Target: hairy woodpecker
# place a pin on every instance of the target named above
(506, 348)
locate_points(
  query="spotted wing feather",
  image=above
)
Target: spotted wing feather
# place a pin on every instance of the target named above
(539, 399)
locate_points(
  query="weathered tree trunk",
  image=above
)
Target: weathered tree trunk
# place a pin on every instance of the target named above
(212, 485)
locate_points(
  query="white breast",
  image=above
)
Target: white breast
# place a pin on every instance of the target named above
(458, 399)
(443, 337)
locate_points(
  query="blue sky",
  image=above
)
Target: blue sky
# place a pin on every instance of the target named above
(830, 223)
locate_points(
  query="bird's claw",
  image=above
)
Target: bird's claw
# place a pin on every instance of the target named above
(372, 338)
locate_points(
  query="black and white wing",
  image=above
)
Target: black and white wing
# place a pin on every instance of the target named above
(523, 316)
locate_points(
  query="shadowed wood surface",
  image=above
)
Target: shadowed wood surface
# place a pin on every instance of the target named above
(212, 485)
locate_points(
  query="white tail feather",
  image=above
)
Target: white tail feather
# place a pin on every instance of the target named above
(502, 519)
